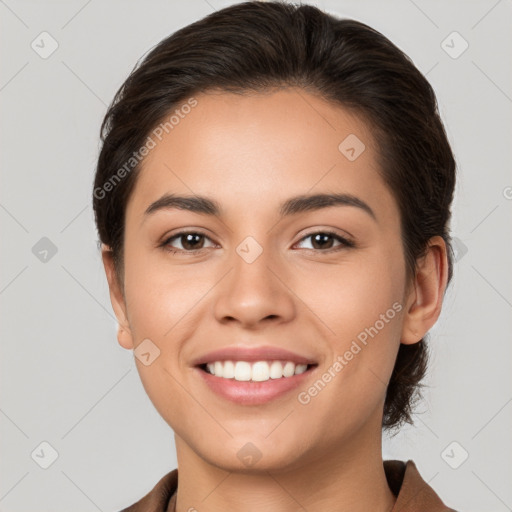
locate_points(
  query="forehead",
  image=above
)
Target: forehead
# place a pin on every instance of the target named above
(242, 148)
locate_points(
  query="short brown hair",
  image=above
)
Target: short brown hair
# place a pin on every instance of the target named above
(257, 46)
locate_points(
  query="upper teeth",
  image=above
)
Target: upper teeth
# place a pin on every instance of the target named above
(258, 371)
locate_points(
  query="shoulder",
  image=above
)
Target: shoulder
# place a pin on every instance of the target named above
(412, 492)
(157, 499)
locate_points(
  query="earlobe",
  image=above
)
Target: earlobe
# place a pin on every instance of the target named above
(124, 338)
(426, 295)
(124, 335)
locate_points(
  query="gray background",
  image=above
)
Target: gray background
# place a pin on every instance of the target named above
(64, 378)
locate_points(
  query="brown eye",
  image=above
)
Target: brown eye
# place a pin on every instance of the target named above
(324, 241)
(189, 241)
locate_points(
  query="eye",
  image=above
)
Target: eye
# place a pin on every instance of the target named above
(190, 241)
(323, 241)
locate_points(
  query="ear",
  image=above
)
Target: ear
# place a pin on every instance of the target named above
(426, 293)
(124, 335)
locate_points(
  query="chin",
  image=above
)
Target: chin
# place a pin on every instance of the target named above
(246, 456)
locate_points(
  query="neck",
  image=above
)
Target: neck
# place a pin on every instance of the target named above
(350, 479)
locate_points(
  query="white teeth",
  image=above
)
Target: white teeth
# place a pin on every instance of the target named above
(258, 371)
(228, 371)
(217, 367)
(289, 369)
(276, 370)
(300, 368)
(242, 370)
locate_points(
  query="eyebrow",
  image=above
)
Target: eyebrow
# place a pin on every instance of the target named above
(295, 205)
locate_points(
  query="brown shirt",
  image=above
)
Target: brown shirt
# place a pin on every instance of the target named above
(412, 492)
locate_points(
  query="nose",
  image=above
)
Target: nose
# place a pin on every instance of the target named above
(255, 292)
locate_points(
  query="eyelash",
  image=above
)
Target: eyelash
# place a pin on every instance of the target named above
(344, 242)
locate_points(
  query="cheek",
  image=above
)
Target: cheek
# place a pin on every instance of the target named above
(352, 295)
(161, 295)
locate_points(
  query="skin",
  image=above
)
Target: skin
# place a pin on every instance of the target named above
(325, 455)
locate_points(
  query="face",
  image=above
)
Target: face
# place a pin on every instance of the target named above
(305, 298)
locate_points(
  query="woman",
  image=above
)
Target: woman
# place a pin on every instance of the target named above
(273, 200)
